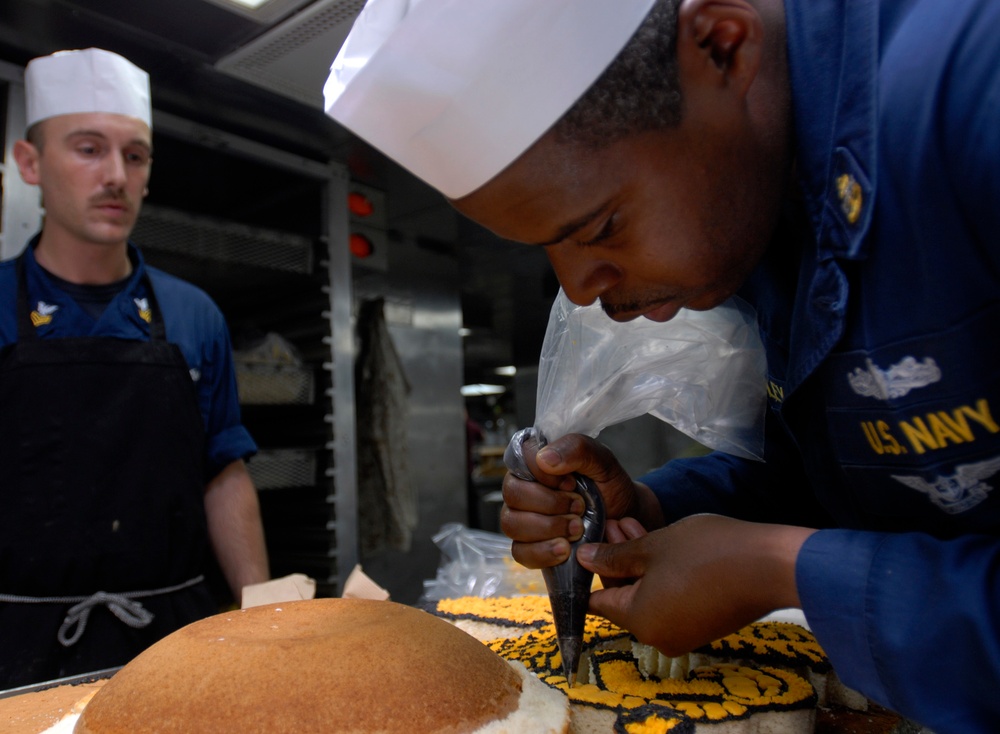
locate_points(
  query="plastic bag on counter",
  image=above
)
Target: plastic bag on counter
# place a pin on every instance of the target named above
(478, 563)
(703, 372)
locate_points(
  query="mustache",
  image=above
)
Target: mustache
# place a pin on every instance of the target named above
(111, 197)
(632, 307)
(613, 309)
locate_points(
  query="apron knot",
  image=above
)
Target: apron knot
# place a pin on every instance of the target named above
(129, 611)
(123, 605)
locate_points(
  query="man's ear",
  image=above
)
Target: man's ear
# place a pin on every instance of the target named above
(719, 43)
(27, 156)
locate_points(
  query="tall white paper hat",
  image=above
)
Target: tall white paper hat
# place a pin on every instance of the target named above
(88, 80)
(455, 90)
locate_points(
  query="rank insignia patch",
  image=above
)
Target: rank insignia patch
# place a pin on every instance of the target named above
(42, 314)
(895, 382)
(144, 312)
(959, 492)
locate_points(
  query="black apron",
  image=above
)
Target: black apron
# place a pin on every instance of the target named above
(103, 537)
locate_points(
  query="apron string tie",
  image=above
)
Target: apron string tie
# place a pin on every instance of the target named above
(132, 613)
(122, 605)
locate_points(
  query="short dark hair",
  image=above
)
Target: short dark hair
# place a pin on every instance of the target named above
(34, 135)
(639, 91)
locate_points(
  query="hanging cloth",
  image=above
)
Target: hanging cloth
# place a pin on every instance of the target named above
(387, 503)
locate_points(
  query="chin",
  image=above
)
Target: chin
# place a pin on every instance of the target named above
(110, 235)
(661, 315)
(661, 312)
(708, 301)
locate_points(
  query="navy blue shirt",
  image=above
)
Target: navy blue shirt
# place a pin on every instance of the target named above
(878, 306)
(192, 321)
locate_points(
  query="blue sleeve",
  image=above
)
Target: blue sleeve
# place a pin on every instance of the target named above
(196, 325)
(228, 440)
(910, 620)
(774, 490)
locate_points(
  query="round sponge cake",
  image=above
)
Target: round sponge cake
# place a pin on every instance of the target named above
(322, 665)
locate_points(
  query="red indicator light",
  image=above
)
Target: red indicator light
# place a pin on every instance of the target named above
(360, 246)
(359, 205)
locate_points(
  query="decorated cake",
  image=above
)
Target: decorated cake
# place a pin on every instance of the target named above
(362, 666)
(769, 677)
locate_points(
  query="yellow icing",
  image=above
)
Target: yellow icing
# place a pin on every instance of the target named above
(647, 704)
(654, 724)
(513, 611)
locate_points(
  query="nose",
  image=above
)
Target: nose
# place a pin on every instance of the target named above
(114, 170)
(583, 278)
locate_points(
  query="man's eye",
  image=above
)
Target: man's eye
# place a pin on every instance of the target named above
(609, 230)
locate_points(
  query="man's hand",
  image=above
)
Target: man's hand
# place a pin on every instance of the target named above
(697, 580)
(542, 517)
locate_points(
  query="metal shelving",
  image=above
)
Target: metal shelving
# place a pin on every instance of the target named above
(302, 415)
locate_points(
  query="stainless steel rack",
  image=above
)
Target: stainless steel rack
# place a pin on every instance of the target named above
(289, 283)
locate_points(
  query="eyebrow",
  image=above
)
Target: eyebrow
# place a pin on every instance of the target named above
(574, 226)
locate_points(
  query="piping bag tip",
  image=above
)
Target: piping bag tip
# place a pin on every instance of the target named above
(569, 593)
(569, 585)
(570, 649)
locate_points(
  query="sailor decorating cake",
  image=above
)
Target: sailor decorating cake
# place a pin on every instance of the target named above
(834, 166)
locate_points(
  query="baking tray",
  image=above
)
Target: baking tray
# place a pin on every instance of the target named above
(283, 468)
(72, 680)
(260, 384)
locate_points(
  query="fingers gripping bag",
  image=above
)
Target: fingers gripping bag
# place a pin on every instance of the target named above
(703, 372)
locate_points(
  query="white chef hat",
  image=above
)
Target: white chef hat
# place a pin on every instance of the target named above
(88, 80)
(455, 90)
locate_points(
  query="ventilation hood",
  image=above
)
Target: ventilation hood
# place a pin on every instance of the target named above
(293, 58)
